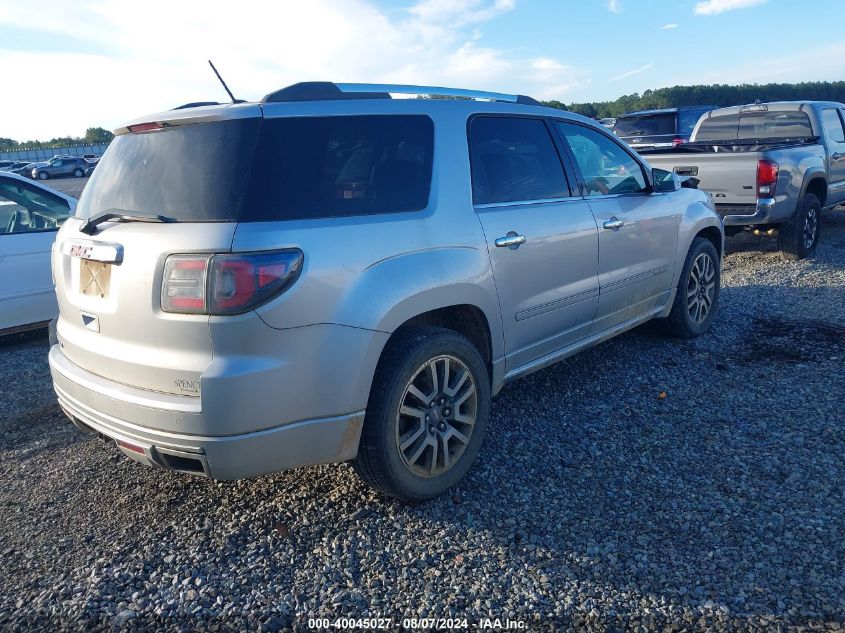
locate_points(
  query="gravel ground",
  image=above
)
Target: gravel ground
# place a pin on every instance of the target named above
(600, 502)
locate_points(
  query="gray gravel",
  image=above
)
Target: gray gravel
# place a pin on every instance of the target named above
(598, 505)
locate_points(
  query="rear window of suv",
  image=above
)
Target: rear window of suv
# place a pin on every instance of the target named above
(192, 173)
(319, 167)
(645, 125)
(255, 170)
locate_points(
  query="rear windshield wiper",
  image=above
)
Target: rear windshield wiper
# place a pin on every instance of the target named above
(116, 215)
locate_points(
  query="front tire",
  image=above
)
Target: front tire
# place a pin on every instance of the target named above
(697, 293)
(427, 414)
(799, 237)
(43, 175)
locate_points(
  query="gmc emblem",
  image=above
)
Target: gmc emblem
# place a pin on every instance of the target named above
(78, 250)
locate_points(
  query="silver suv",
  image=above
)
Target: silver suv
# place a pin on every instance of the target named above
(332, 274)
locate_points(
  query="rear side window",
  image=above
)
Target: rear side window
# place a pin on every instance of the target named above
(319, 167)
(514, 160)
(646, 125)
(755, 125)
(832, 125)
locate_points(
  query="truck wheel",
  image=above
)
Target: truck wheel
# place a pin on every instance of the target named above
(698, 292)
(427, 414)
(798, 237)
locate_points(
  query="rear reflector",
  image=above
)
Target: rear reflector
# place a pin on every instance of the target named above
(131, 447)
(227, 284)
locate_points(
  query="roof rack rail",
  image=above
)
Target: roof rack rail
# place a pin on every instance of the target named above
(326, 90)
(196, 104)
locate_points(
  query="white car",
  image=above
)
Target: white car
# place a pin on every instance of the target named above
(30, 215)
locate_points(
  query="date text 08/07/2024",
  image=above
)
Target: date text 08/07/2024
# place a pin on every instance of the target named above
(376, 623)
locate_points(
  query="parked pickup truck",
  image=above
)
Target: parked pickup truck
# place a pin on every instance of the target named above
(776, 164)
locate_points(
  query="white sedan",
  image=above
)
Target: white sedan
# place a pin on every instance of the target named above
(30, 215)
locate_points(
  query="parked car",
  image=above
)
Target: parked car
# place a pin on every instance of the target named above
(5, 164)
(609, 122)
(770, 165)
(17, 167)
(30, 215)
(384, 268)
(655, 129)
(58, 167)
(91, 166)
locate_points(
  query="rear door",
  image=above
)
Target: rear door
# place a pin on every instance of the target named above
(638, 230)
(835, 137)
(542, 240)
(109, 280)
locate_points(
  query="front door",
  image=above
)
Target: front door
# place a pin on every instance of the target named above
(638, 229)
(542, 241)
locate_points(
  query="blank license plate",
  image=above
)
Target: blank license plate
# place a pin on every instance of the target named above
(94, 278)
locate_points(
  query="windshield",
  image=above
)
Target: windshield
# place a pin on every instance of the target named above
(192, 173)
(645, 124)
(755, 125)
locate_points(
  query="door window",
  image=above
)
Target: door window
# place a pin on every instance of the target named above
(24, 209)
(833, 125)
(514, 160)
(605, 166)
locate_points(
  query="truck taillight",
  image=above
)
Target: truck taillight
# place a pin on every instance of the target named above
(767, 178)
(227, 283)
(677, 141)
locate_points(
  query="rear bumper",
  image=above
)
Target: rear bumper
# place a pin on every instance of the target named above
(765, 211)
(114, 411)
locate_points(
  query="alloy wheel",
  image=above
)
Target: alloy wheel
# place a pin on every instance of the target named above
(701, 288)
(436, 416)
(811, 225)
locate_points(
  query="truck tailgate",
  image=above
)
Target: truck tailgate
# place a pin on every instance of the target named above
(731, 177)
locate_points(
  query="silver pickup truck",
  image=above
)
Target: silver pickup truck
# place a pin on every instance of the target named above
(776, 164)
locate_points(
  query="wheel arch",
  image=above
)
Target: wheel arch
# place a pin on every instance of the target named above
(816, 184)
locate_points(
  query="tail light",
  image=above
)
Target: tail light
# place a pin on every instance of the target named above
(767, 178)
(677, 141)
(227, 284)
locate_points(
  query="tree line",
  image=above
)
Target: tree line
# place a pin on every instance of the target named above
(93, 136)
(715, 94)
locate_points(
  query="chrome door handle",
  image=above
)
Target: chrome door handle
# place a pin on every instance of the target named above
(511, 240)
(614, 224)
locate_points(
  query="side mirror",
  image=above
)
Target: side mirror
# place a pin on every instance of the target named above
(663, 181)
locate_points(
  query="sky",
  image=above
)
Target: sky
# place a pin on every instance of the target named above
(69, 65)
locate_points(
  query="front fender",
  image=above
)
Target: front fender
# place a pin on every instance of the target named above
(698, 215)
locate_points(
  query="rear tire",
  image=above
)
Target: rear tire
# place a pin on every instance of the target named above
(409, 449)
(799, 237)
(78, 173)
(43, 175)
(698, 292)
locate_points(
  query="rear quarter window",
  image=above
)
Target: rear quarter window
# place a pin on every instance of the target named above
(334, 166)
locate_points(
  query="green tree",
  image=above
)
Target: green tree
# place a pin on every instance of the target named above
(98, 135)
